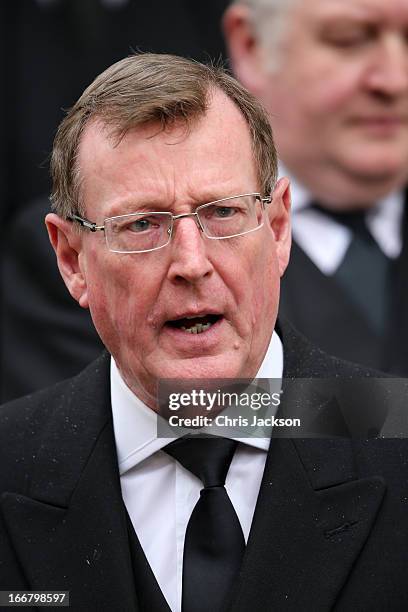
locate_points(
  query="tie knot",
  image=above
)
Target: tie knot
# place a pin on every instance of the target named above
(207, 458)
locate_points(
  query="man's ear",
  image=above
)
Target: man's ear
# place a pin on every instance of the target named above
(67, 244)
(279, 218)
(243, 49)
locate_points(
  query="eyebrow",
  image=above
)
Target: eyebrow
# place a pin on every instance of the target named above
(364, 14)
(345, 21)
(150, 204)
(129, 206)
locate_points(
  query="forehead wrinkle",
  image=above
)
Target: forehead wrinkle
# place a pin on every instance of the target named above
(115, 182)
(190, 187)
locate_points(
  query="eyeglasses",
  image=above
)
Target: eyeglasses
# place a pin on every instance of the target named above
(141, 232)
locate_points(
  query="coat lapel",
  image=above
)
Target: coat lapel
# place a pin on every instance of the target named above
(311, 521)
(69, 532)
(313, 514)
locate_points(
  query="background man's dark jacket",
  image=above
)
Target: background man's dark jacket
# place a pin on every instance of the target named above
(330, 530)
(322, 310)
(44, 335)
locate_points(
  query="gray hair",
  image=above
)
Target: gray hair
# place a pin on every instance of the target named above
(270, 20)
(152, 88)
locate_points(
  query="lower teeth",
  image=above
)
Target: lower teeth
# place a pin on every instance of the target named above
(197, 329)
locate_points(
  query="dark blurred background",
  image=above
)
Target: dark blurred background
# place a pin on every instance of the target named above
(53, 48)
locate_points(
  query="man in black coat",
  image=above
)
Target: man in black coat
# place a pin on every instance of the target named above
(170, 228)
(334, 79)
(329, 530)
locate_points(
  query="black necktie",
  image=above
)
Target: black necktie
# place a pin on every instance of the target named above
(214, 542)
(364, 271)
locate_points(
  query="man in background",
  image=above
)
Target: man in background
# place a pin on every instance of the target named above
(334, 78)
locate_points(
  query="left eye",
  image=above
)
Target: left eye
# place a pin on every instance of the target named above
(143, 225)
(224, 212)
(140, 225)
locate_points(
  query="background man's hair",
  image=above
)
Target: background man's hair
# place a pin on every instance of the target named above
(151, 88)
(270, 19)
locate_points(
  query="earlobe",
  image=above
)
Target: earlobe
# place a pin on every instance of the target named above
(279, 218)
(67, 244)
(243, 48)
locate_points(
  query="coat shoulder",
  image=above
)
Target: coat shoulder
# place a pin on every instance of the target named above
(29, 422)
(303, 359)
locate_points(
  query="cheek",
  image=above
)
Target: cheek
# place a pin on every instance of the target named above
(268, 289)
(116, 302)
(257, 283)
(333, 86)
(309, 99)
(333, 102)
(104, 304)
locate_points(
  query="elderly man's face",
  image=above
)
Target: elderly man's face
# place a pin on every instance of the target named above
(135, 299)
(338, 98)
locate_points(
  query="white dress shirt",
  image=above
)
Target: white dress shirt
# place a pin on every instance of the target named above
(384, 222)
(160, 494)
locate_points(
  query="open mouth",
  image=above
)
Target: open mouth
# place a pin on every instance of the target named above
(195, 325)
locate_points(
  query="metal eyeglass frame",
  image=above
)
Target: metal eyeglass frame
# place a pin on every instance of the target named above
(93, 227)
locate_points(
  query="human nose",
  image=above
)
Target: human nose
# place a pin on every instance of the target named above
(388, 73)
(189, 260)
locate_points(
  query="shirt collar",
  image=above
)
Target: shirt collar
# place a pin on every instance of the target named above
(384, 220)
(135, 424)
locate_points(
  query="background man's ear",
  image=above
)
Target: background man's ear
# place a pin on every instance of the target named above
(67, 244)
(279, 218)
(243, 50)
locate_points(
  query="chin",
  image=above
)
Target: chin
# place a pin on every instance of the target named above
(380, 160)
(217, 366)
(371, 175)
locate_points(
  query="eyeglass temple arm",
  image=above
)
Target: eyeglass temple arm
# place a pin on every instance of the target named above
(85, 223)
